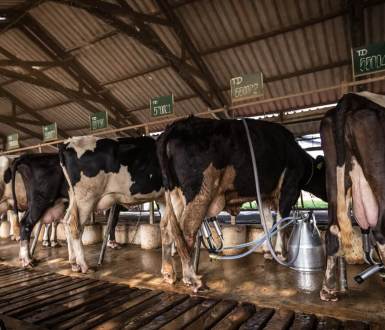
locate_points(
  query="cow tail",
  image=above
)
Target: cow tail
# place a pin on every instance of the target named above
(15, 217)
(72, 215)
(14, 197)
(168, 179)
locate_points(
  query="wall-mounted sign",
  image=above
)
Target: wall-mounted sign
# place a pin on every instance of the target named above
(368, 59)
(50, 132)
(98, 120)
(13, 141)
(162, 105)
(246, 86)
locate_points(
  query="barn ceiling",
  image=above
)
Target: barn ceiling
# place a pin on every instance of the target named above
(60, 61)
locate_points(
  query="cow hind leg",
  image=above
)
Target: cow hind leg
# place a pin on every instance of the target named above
(54, 241)
(47, 234)
(269, 223)
(168, 271)
(71, 253)
(191, 221)
(15, 226)
(24, 254)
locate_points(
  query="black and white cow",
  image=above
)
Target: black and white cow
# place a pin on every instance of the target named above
(206, 167)
(102, 172)
(353, 139)
(46, 195)
(42, 191)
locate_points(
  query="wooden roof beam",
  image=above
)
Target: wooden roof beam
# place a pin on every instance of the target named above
(119, 11)
(191, 49)
(29, 111)
(38, 34)
(147, 37)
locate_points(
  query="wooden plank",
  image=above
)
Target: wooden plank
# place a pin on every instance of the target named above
(163, 319)
(328, 323)
(8, 271)
(33, 289)
(356, 325)
(41, 294)
(304, 322)
(282, 319)
(9, 323)
(64, 306)
(259, 319)
(236, 317)
(24, 285)
(163, 306)
(118, 320)
(102, 315)
(19, 279)
(88, 311)
(47, 298)
(213, 315)
(190, 315)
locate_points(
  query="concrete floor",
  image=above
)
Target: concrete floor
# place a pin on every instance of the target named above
(249, 279)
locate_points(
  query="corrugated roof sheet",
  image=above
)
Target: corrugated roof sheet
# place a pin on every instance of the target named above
(233, 37)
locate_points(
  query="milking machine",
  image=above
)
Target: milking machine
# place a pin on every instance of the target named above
(369, 247)
(306, 251)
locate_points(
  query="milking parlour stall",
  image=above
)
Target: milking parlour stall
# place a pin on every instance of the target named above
(192, 164)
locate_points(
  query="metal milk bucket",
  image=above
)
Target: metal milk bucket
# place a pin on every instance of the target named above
(305, 246)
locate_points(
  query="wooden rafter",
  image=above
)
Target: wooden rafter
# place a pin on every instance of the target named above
(38, 34)
(189, 46)
(26, 109)
(144, 34)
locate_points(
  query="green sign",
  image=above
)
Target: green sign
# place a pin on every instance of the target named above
(13, 141)
(368, 59)
(162, 105)
(98, 120)
(246, 86)
(50, 132)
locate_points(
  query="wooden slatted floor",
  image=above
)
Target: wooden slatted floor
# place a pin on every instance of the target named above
(32, 299)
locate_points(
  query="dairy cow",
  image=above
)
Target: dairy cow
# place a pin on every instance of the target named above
(46, 195)
(101, 172)
(353, 140)
(41, 190)
(206, 167)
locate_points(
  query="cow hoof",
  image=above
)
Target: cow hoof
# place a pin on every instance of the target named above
(268, 256)
(281, 257)
(113, 245)
(195, 282)
(87, 270)
(76, 268)
(28, 263)
(55, 244)
(328, 295)
(169, 278)
(46, 243)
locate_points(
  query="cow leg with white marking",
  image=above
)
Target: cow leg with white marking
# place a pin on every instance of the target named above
(47, 235)
(54, 241)
(337, 211)
(25, 235)
(269, 223)
(15, 226)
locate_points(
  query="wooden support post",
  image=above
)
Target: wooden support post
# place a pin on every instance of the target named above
(92, 220)
(233, 220)
(151, 213)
